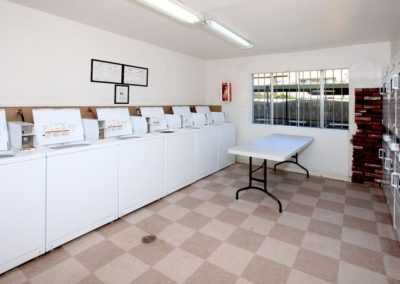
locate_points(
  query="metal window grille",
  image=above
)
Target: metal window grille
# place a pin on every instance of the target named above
(316, 98)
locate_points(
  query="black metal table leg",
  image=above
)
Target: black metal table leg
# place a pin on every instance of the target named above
(264, 181)
(293, 162)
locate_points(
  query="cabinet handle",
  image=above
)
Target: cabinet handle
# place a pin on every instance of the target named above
(392, 179)
(388, 164)
(381, 153)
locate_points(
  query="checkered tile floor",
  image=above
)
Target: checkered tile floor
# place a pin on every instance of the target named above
(329, 232)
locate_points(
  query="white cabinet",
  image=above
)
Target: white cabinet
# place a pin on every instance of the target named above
(206, 152)
(141, 172)
(226, 140)
(179, 160)
(82, 191)
(22, 209)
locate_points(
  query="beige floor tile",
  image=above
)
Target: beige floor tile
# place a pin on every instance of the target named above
(278, 251)
(359, 194)
(352, 274)
(328, 216)
(243, 281)
(390, 247)
(308, 192)
(231, 258)
(122, 270)
(222, 200)
(366, 204)
(211, 274)
(332, 197)
(335, 183)
(154, 224)
(329, 205)
(267, 211)
(294, 220)
(128, 238)
(257, 225)
(217, 229)
(176, 196)
(318, 265)
(137, 216)
(33, 267)
(14, 276)
(380, 207)
(243, 206)
(113, 228)
(325, 228)
(305, 200)
(153, 252)
(362, 257)
(359, 212)
(261, 270)
(287, 234)
(69, 271)
(362, 239)
(286, 187)
(312, 185)
(203, 194)
(209, 209)
(99, 255)
(232, 217)
(173, 212)
(246, 240)
(321, 244)
(176, 234)
(152, 276)
(194, 220)
(83, 243)
(298, 277)
(300, 209)
(392, 266)
(189, 202)
(201, 245)
(91, 279)
(158, 205)
(179, 265)
(360, 224)
(386, 231)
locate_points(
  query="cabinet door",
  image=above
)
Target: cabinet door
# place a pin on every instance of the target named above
(206, 161)
(179, 160)
(227, 139)
(82, 193)
(22, 212)
(141, 174)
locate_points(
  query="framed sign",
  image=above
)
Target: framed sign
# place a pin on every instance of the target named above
(106, 72)
(136, 76)
(226, 95)
(121, 95)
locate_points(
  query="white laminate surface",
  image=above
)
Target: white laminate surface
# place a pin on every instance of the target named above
(275, 147)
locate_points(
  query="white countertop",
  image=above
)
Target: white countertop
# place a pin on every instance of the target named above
(274, 147)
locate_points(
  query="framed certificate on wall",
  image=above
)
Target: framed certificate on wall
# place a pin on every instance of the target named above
(121, 95)
(106, 72)
(136, 76)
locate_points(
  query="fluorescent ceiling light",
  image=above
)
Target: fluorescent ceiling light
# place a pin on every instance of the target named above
(174, 9)
(227, 34)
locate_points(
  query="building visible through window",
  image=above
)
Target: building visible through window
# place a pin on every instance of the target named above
(306, 98)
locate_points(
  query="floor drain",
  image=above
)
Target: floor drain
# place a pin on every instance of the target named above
(148, 239)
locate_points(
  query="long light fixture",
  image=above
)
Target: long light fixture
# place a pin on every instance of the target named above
(174, 9)
(230, 36)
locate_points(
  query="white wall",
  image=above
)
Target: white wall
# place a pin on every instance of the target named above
(330, 155)
(45, 60)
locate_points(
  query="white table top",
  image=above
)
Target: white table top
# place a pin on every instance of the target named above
(274, 147)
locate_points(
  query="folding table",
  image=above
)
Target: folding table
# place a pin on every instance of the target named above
(275, 147)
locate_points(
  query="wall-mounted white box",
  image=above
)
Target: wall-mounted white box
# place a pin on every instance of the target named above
(21, 134)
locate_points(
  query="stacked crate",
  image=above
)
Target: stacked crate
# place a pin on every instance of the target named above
(367, 167)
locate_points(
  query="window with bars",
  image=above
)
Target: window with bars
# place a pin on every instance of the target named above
(318, 98)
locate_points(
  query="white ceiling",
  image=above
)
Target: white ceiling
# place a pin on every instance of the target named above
(272, 25)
